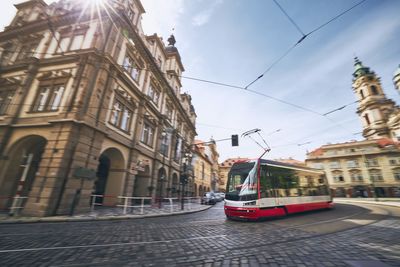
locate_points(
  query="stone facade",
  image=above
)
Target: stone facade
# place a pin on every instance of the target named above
(370, 167)
(88, 105)
(206, 174)
(355, 168)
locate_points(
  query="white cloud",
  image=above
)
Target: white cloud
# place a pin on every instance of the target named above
(203, 17)
(161, 16)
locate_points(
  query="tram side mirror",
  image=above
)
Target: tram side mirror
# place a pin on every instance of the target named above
(235, 140)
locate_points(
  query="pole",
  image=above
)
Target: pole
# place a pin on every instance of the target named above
(163, 174)
(183, 196)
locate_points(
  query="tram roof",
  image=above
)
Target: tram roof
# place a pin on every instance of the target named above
(285, 165)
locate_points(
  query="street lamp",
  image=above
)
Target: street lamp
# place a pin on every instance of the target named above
(163, 151)
(185, 176)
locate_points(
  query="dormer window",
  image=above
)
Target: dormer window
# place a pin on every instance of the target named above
(131, 67)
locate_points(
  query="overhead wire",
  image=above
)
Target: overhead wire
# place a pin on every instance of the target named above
(240, 88)
(267, 70)
(304, 36)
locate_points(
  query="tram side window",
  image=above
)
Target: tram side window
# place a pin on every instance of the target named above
(284, 181)
(315, 185)
(266, 184)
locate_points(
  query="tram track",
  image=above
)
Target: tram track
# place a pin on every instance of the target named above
(230, 249)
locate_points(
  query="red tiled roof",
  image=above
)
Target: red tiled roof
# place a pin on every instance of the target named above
(386, 142)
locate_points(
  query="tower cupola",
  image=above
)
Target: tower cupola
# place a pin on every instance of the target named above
(360, 69)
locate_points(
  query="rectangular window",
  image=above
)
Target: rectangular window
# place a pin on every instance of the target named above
(77, 42)
(131, 67)
(5, 100)
(177, 150)
(48, 98)
(352, 164)
(164, 144)
(28, 50)
(131, 15)
(63, 44)
(168, 111)
(334, 165)
(154, 94)
(121, 116)
(147, 135)
(372, 162)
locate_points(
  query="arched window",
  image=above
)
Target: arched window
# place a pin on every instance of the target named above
(374, 90)
(367, 119)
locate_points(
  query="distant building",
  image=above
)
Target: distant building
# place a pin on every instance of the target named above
(224, 169)
(88, 105)
(291, 161)
(360, 168)
(205, 167)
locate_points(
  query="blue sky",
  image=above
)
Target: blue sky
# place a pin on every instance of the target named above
(234, 41)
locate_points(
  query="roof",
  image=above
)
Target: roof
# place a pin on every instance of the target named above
(286, 165)
(387, 142)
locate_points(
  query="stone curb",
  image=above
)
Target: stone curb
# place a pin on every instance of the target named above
(95, 218)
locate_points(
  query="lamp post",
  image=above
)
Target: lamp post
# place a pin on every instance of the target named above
(185, 176)
(162, 177)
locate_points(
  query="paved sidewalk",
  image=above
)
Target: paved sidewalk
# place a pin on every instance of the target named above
(107, 213)
(394, 202)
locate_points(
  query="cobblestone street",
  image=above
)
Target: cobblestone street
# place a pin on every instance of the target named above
(341, 237)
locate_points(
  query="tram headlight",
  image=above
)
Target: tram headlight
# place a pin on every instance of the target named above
(251, 203)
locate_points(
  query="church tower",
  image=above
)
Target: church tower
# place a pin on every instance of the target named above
(374, 108)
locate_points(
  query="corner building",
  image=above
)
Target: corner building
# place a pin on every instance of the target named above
(88, 105)
(370, 167)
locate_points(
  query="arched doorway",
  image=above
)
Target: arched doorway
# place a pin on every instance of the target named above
(110, 177)
(20, 171)
(195, 191)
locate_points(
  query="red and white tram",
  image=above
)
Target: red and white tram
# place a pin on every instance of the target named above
(264, 188)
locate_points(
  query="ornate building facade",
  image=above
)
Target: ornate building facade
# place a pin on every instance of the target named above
(88, 105)
(370, 167)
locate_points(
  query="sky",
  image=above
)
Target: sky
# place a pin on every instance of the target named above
(235, 41)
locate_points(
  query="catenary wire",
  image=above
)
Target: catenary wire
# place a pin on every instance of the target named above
(287, 15)
(302, 38)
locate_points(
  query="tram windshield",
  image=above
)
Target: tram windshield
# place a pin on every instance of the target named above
(242, 182)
